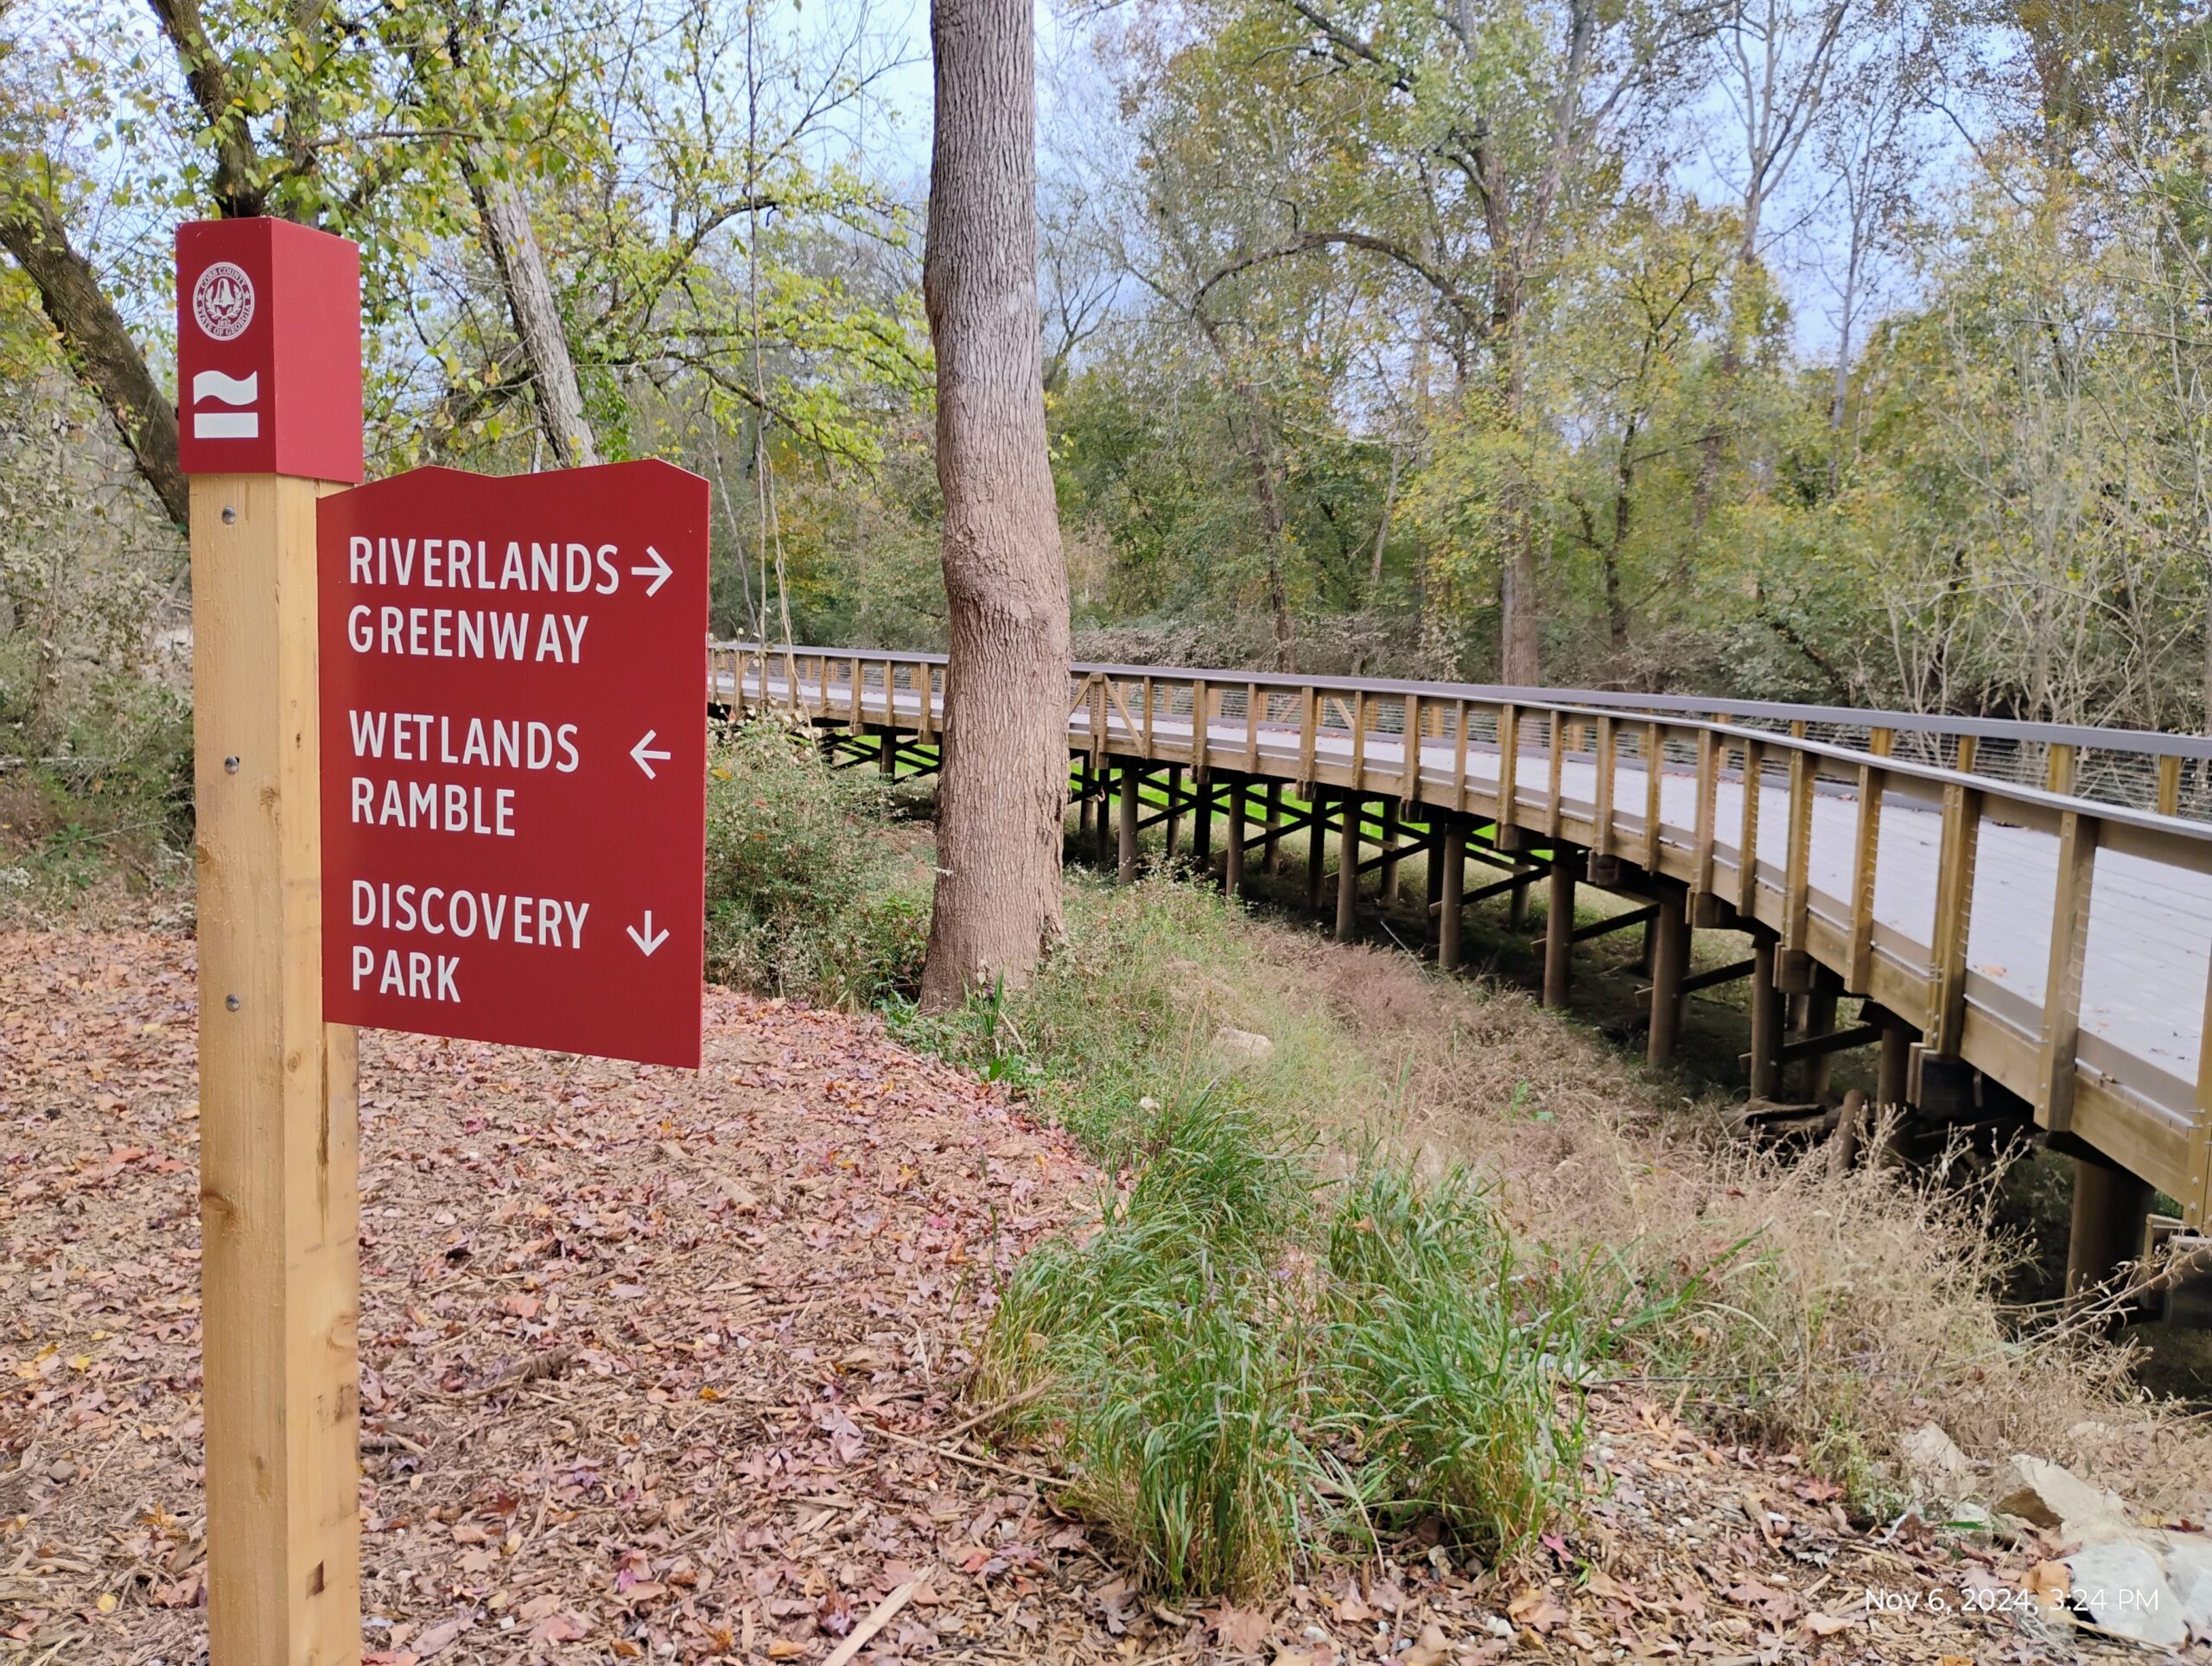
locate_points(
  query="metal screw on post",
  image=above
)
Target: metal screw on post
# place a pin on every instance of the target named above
(229, 515)
(230, 1002)
(230, 764)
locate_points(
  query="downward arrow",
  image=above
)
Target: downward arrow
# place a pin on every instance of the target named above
(639, 753)
(658, 572)
(649, 939)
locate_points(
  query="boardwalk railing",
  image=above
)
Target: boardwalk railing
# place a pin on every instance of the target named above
(2054, 932)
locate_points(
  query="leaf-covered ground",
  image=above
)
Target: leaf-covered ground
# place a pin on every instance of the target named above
(666, 1366)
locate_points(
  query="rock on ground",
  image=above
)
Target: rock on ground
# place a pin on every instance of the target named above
(2122, 1586)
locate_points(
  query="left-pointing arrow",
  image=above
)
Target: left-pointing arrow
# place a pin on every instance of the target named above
(649, 939)
(643, 751)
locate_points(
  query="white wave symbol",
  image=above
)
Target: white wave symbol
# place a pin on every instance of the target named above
(213, 385)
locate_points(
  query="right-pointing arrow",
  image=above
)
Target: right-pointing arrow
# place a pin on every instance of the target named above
(642, 751)
(649, 939)
(658, 572)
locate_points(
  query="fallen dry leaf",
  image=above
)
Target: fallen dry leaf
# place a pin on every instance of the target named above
(1537, 1610)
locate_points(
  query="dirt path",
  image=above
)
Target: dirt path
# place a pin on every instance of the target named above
(664, 1366)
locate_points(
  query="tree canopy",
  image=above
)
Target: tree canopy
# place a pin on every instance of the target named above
(1846, 349)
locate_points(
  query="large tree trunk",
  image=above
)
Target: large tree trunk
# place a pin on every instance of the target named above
(1623, 507)
(1003, 793)
(513, 244)
(1521, 656)
(97, 342)
(1274, 537)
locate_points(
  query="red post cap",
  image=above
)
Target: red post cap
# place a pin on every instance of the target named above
(268, 350)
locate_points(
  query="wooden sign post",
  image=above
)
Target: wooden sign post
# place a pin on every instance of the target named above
(269, 372)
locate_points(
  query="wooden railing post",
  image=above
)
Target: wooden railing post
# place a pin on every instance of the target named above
(2059, 768)
(1555, 812)
(1708, 791)
(1747, 837)
(2061, 990)
(2197, 1180)
(1201, 716)
(1858, 959)
(1409, 780)
(1509, 770)
(1797, 882)
(1459, 759)
(1655, 770)
(1608, 747)
(1954, 871)
(1309, 724)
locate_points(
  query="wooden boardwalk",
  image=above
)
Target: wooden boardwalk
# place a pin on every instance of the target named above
(2021, 948)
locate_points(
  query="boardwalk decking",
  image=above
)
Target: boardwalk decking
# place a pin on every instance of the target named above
(2116, 1063)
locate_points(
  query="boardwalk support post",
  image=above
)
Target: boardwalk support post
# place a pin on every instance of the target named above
(1232, 850)
(1388, 900)
(1102, 825)
(1453, 878)
(1766, 1018)
(1127, 869)
(1820, 1020)
(1317, 846)
(1893, 1062)
(1670, 961)
(1348, 870)
(2110, 1206)
(1432, 889)
(1558, 929)
(1274, 850)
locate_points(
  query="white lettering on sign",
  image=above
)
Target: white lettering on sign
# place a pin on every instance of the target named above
(408, 973)
(466, 633)
(422, 737)
(496, 916)
(460, 564)
(436, 806)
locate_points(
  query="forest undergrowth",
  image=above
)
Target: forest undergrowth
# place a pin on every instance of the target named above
(1368, 1232)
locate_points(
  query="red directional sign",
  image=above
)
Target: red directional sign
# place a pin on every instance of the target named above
(514, 738)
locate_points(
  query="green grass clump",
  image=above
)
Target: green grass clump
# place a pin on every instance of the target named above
(1447, 1354)
(807, 893)
(1241, 1367)
(1162, 1350)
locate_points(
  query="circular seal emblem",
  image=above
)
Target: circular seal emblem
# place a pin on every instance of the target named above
(222, 301)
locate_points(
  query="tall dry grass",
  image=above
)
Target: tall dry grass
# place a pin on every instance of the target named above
(1837, 1311)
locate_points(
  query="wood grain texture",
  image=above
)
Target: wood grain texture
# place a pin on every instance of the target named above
(279, 1189)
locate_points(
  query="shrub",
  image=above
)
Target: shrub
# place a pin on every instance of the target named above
(110, 795)
(808, 894)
